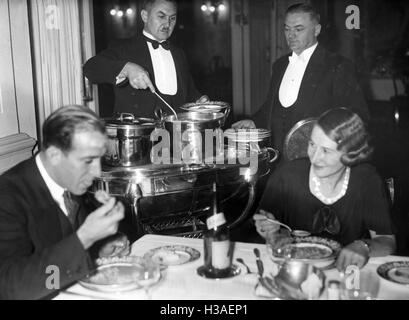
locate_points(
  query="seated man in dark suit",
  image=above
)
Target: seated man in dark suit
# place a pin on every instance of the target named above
(45, 232)
(306, 82)
(148, 61)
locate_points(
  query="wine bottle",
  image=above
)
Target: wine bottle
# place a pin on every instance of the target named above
(217, 245)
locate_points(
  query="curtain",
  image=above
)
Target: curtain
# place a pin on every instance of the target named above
(56, 40)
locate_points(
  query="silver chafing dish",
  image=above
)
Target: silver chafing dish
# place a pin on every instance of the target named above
(176, 198)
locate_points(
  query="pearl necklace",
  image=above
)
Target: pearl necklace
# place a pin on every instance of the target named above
(334, 199)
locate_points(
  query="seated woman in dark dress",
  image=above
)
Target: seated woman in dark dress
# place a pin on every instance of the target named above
(333, 193)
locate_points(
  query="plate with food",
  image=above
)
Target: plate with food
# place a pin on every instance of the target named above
(395, 271)
(318, 251)
(119, 274)
(173, 255)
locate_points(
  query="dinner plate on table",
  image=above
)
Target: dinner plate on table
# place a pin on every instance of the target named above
(395, 271)
(173, 255)
(117, 274)
(321, 252)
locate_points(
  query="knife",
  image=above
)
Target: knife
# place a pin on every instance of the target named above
(259, 263)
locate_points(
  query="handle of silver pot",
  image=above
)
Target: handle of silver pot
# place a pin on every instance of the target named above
(250, 201)
(276, 154)
(126, 116)
(227, 112)
(158, 114)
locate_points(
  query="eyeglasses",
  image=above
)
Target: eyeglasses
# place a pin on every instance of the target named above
(326, 220)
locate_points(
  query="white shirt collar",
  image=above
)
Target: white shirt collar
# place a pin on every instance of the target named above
(148, 35)
(55, 189)
(304, 56)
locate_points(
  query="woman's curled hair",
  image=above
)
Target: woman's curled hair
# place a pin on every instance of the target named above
(348, 130)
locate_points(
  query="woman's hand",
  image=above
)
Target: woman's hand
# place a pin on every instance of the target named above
(356, 253)
(263, 226)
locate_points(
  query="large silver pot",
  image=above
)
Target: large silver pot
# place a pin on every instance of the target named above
(195, 136)
(128, 140)
(240, 143)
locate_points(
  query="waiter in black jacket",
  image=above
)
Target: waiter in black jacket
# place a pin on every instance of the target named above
(306, 82)
(147, 63)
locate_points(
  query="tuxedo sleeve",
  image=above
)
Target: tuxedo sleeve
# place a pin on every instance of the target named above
(34, 272)
(348, 90)
(275, 195)
(192, 93)
(262, 116)
(106, 66)
(375, 205)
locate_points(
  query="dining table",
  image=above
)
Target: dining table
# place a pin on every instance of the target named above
(183, 282)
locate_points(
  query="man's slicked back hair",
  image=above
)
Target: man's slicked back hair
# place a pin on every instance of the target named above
(306, 8)
(60, 127)
(146, 4)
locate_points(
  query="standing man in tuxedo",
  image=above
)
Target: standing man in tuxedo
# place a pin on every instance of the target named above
(307, 81)
(148, 63)
(45, 232)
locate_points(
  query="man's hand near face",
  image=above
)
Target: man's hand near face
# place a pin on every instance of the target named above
(116, 245)
(101, 223)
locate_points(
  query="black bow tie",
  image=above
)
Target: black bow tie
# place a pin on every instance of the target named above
(155, 44)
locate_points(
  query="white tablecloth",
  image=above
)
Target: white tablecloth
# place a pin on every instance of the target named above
(183, 283)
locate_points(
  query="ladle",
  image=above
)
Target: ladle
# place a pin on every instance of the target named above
(167, 104)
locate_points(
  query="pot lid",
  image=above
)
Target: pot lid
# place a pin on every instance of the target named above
(206, 107)
(129, 121)
(247, 135)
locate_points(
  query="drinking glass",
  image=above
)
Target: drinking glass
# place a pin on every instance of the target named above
(359, 284)
(149, 275)
(277, 241)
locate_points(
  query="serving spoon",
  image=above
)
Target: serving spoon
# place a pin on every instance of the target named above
(167, 104)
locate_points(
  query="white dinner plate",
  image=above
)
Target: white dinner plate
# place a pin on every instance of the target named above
(117, 274)
(395, 271)
(173, 255)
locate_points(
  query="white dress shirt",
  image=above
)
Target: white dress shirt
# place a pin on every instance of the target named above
(55, 189)
(290, 85)
(163, 68)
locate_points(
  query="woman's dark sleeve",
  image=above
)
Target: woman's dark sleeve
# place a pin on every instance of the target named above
(273, 199)
(377, 211)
